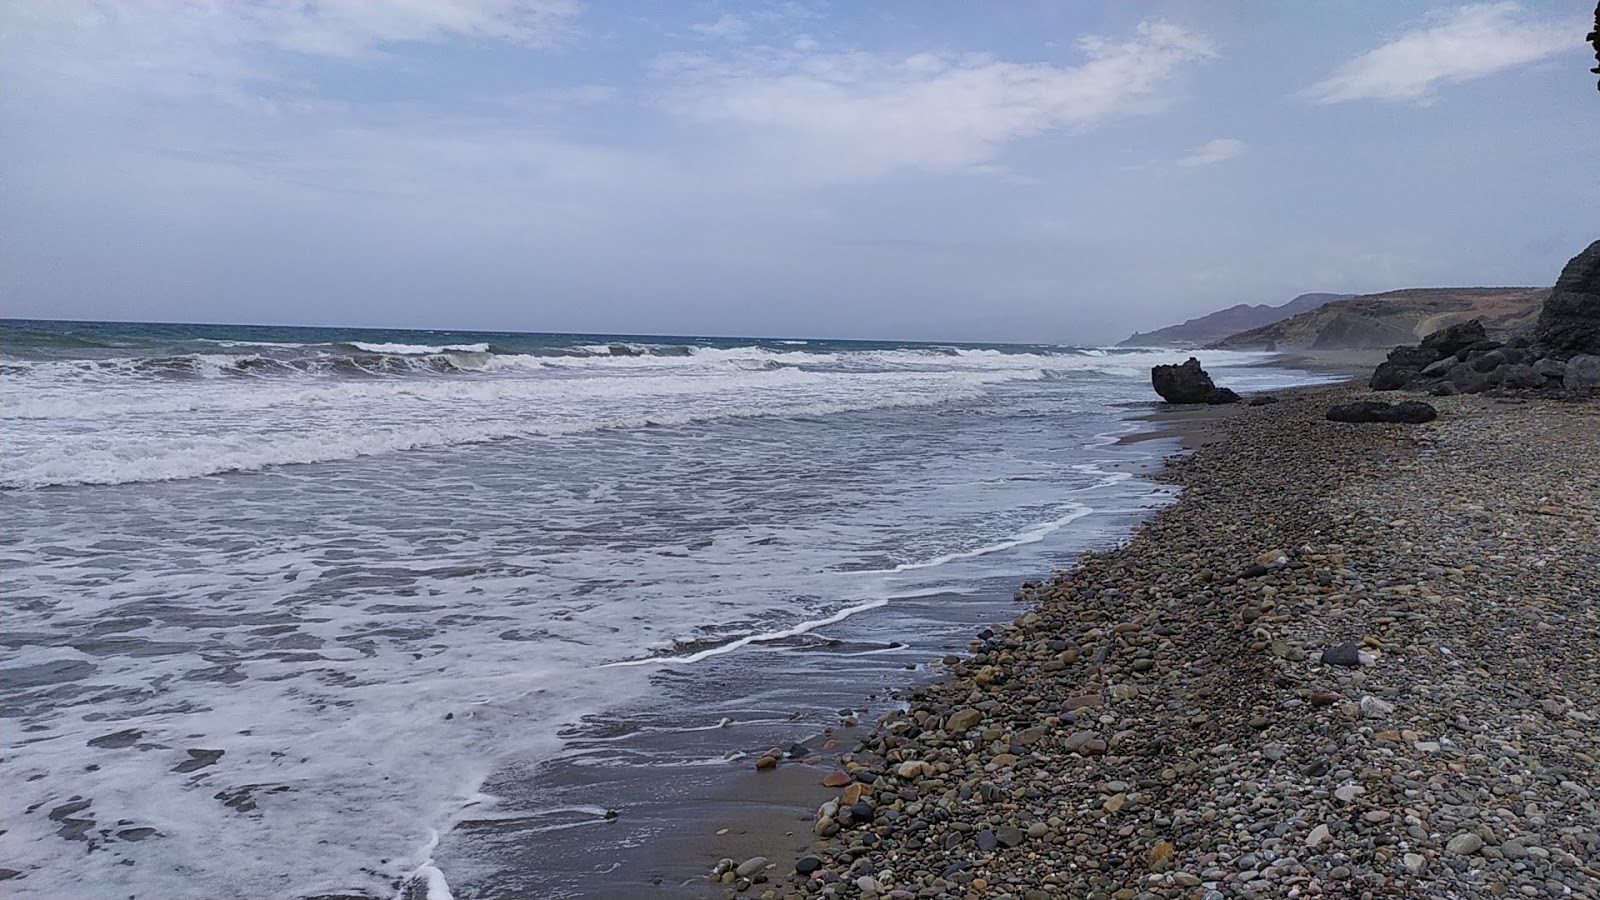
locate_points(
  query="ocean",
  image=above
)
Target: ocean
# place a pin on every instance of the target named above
(295, 612)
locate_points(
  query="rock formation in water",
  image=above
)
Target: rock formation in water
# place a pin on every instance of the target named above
(1188, 383)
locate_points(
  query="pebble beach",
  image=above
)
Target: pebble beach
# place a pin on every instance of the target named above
(1349, 661)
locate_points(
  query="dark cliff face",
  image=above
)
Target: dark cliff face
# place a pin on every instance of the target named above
(1570, 321)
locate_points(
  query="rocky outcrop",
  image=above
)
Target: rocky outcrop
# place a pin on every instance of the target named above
(1409, 412)
(1569, 324)
(1460, 360)
(1464, 359)
(1188, 383)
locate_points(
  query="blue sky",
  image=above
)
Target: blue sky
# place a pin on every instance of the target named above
(1028, 170)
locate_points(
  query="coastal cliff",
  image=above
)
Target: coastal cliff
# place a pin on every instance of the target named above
(1384, 320)
(1224, 322)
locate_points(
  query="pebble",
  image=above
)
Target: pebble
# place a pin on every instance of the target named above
(750, 866)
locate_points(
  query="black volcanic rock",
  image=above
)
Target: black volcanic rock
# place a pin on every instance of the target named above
(1570, 322)
(1390, 376)
(1188, 383)
(1452, 340)
(1409, 412)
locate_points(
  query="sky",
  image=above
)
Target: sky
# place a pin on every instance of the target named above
(1029, 170)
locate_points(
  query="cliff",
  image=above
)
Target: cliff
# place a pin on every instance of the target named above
(1224, 322)
(1394, 317)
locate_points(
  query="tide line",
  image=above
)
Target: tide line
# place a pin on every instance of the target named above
(747, 640)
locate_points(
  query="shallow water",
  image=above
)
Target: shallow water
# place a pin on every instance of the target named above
(408, 591)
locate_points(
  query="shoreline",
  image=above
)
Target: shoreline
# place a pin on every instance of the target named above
(774, 810)
(1264, 676)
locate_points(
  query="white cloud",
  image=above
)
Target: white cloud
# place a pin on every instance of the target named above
(1458, 45)
(729, 28)
(215, 46)
(854, 116)
(1214, 151)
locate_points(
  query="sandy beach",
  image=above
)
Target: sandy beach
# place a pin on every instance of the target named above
(1401, 705)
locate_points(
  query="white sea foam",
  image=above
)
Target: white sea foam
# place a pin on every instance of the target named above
(760, 637)
(171, 431)
(391, 638)
(1031, 536)
(416, 349)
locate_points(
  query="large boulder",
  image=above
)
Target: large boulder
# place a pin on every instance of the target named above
(1455, 338)
(1403, 366)
(1516, 376)
(1410, 412)
(1569, 324)
(1582, 374)
(1468, 380)
(1188, 383)
(1391, 376)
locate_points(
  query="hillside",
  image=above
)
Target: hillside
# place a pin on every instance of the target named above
(1395, 317)
(1224, 322)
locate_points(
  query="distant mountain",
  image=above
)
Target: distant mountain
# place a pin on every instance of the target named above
(1397, 317)
(1224, 322)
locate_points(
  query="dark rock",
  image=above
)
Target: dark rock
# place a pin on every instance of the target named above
(1410, 412)
(1582, 375)
(987, 842)
(1444, 389)
(1455, 338)
(1315, 769)
(955, 867)
(1415, 357)
(1468, 380)
(1008, 835)
(1488, 362)
(799, 751)
(1569, 324)
(807, 864)
(1440, 368)
(1346, 654)
(1188, 383)
(862, 811)
(1262, 400)
(1390, 376)
(1519, 377)
(1551, 368)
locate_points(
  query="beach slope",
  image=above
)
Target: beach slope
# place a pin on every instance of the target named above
(1351, 660)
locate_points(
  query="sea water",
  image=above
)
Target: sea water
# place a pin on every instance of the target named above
(289, 612)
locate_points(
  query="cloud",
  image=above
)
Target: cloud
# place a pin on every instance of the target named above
(1214, 151)
(213, 46)
(1460, 45)
(836, 117)
(729, 28)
